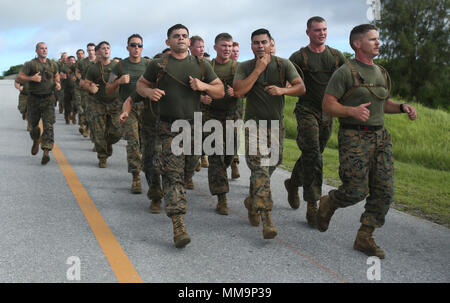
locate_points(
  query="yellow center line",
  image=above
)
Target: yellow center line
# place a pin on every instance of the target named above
(118, 260)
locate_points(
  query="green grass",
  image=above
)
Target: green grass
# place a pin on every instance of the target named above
(422, 160)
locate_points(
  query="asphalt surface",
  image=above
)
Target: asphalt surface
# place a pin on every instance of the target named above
(42, 225)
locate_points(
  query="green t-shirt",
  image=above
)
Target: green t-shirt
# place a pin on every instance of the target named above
(260, 105)
(83, 67)
(342, 81)
(68, 83)
(135, 70)
(150, 114)
(48, 71)
(95, 75)
(180, 101)
(225, 72)
(318, 70)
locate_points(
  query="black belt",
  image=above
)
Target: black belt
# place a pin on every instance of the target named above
(366, 128)
(41, 96)
(171, 119)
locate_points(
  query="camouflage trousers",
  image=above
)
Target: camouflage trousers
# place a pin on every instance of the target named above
(69, 108)
(173, 169)
(149, 134)
(60, 99)
(218, 164)
(76, 103)
(366, 168)
(240, 115)
(42, 108)
(105, 125)
(131, 130)
(313, 135)
(260, 192)
(83, 109)
(22, 104)
(90, 100)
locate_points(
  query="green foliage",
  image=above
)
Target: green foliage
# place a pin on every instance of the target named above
(348, 56)
(416, 52)
(13, 70)
(423, 142)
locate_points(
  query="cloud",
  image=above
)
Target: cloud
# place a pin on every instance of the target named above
(114, 21)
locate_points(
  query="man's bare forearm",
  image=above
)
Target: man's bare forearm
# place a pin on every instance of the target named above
(242, 87)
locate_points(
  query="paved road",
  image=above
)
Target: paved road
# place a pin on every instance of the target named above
(43, 225)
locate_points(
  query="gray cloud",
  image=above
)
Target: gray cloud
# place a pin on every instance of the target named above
(23, 23)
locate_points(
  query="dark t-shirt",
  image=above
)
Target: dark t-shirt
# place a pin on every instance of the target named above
(95, 75)
(48, 71)
(135, 70)
(318, 70)
(180, 101)
(225, 72)
(342, 81)
(260, 105)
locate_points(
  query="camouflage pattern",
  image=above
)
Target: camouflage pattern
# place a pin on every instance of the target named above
(314, 131)
(76, 103)
(149, 136)
(173, 169)
(366, 168)
(105, 125)
(218, 164)
(42, 108)
(83, 107)
(131, 131)
(260, 193)
(68, 104)
(60, 100)
(22, 104)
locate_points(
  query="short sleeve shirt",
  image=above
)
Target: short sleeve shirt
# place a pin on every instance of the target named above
(317, 68)
(342, 81)
(260, 105)
(96, 75)
(180, 101)
(225, 72)
(135, 70)
(48, 71)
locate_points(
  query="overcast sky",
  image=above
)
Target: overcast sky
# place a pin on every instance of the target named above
(23, 23)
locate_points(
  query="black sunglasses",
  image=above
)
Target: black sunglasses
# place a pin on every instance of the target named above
(136, 45)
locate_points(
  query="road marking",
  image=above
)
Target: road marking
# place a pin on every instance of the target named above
(118, 260)
(289, 246)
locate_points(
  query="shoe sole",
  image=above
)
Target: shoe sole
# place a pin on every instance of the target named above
(270, 235)
(183, 241)
(293, 206)
(247, 205)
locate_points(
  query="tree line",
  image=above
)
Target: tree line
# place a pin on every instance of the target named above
(415, 50)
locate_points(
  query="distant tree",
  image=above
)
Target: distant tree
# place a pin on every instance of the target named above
(13, 70)
(415, 49)
(348, 56)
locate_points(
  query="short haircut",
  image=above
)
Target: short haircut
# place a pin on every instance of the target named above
(70, 57)
(223, 37)
(158, 55)
(80, 50)
(261, 31)
(195, 39)
(235, 44)
(117, 58)
(175, 27)
(360, 30)
(90, 44)
(100, 45)
(134, 36)
(314, 19)
(166, 50)
(39, 44)
(206, 55)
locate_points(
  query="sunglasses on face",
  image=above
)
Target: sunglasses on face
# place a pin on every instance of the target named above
(136, 45)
